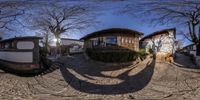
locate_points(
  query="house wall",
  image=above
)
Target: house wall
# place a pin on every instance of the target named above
(22, 56)
(17, 57)
(193, 52)
(128, 41)
(162, 44)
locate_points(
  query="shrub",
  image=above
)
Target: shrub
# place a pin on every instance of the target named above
(151, 51)
(142, 54)
(113, 55)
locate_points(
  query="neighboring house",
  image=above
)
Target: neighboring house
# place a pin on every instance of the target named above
(161, 42)
(189, 49)
(113, 38)
(73, 45)
(68, 46)
(20, 54)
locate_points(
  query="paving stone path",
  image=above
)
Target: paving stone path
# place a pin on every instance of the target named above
(78, 78)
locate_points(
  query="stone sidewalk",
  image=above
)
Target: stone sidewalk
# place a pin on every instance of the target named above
(79, 78)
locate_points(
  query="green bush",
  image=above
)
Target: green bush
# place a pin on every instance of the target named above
(151, 51)
(114, 55)
(142, 54)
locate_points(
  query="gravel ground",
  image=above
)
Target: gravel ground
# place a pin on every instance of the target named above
(79, 78)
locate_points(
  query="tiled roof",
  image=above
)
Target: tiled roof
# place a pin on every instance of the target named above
(112, 30)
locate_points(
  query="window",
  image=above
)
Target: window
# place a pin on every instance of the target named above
(132, 41)
(122, 40)
(94, 42)
(7, 45)
(111, 40)
(101, 42)
(126, 40)
(25, 45)
(129, 41)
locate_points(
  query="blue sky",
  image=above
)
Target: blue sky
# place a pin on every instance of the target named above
(110, 18)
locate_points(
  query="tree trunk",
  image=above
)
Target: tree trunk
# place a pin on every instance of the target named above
(58, 48)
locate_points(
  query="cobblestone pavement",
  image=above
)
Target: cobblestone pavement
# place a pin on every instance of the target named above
(78, 78)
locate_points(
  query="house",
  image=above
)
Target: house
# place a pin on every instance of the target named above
(113, 38)
(68, 46)
(73, 45)
(20, 54)
(189, 49)
(162, 43)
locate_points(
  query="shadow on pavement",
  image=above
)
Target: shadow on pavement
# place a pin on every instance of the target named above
(130, 83)
(184, 61)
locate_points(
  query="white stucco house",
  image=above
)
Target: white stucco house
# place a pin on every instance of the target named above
(162, 42)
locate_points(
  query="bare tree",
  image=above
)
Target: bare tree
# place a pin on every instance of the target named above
(47, 39)
(62, 19)
(9, 11)
(181, 12)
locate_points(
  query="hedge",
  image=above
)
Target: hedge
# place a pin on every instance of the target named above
(114, 55)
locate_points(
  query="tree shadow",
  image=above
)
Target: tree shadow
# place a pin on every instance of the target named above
(184, 61)
(87, 70)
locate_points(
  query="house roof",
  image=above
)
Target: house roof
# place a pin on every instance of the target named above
(157, 33)
(188, 45)
(111, 30)
(71, 39)
(20, 38)
(185, 47)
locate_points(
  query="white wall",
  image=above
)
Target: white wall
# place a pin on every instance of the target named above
(167, 43)
(21, 57)
(76, 49)
(194, 47)
(193, 52)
